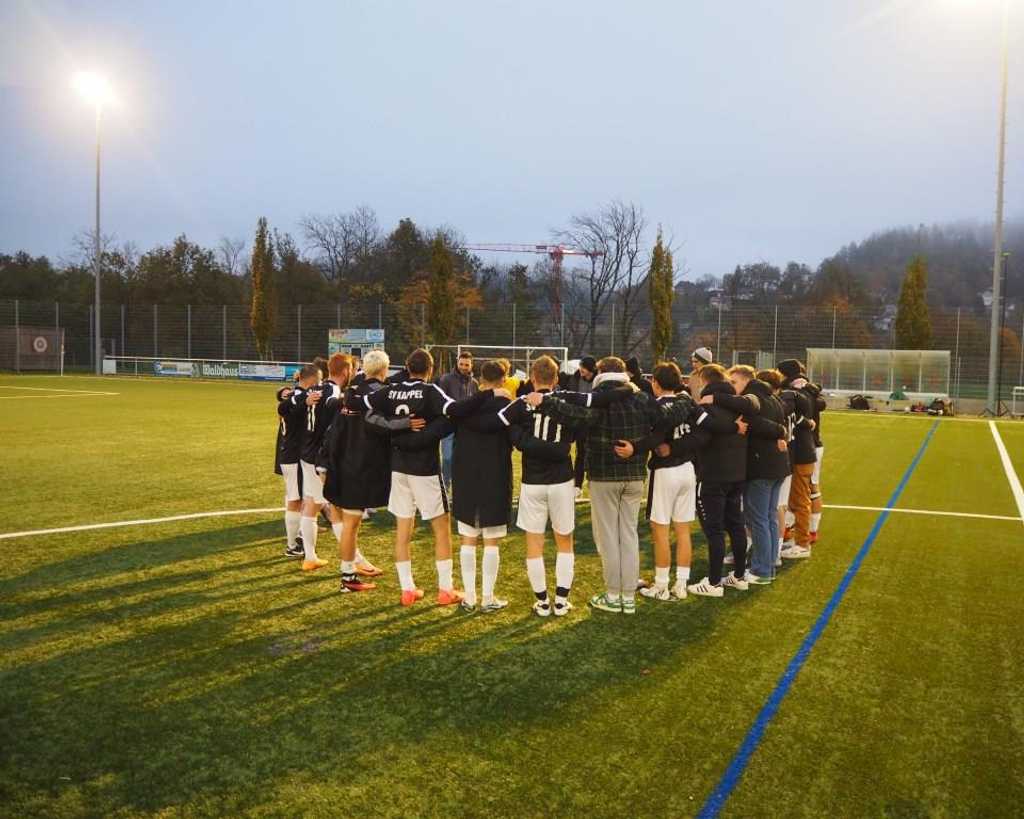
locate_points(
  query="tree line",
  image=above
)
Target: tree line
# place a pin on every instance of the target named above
(629, 271)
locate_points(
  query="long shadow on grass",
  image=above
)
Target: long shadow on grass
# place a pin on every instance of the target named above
(215, 705)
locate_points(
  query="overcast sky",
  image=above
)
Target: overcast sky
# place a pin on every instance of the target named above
(751, 130)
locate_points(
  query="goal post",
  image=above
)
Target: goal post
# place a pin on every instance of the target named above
(519, 356)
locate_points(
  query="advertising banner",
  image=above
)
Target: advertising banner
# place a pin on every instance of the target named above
(176, 368)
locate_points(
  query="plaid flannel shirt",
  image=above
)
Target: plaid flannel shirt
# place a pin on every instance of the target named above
(628, 420)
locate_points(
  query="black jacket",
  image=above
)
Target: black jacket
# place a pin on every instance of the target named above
(482, 470)
(724, 459)
(818, 405)
(766, 420)
(801, 413)
(684, 439)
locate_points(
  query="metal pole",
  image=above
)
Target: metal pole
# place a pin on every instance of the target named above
(96, 253)
(997, 259)
(337, 316)
(224, 331)
(513, 324)
(467, 324)
(834, 326)
(56, 329)
(718, 343)
(561, 328)
(188, 331)
(380, 315)
(92, 335)
(17, 338)
(1020, 373)
(423, 324)
(775, 338)
(156, 320)
(122, 330)
(956, 354)
(298, 323)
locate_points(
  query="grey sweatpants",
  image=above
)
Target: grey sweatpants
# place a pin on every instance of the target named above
(614, 513)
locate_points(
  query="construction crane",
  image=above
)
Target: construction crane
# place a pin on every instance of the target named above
(554, 252)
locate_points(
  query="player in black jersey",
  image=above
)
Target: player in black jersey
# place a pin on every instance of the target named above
(548, 488)
(323, 402)
(672, 486)
(291, 409)
(416, 473)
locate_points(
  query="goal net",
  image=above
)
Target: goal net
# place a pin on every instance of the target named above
(519, 357)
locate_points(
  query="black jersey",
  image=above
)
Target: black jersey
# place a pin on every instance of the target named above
(684, 438)
(292, 411)
(554, 466)
(319, 417)
(419, 399)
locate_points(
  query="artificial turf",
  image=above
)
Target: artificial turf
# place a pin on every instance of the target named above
(187, 668)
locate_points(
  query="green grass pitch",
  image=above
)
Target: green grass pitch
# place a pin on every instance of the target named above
(187, 669)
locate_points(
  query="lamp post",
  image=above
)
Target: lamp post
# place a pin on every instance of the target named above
(992, 405)
(95, 91)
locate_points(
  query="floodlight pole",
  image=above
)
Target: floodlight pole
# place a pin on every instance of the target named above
(96, 253)
(992, 405)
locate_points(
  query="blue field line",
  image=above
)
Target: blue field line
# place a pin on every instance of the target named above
(730, 779)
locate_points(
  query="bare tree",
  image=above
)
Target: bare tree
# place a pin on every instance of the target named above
(230, 254)
(616, 232)
(341, 240)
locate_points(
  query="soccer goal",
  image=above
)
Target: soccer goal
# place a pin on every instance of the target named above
(518, 356)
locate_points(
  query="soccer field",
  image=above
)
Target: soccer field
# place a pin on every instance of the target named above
(186, 667)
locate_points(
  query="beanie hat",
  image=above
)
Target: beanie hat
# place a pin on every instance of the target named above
(703, 355)
(791, 368)
(589, 362)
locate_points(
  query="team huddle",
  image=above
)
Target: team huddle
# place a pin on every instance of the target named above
(738, 449)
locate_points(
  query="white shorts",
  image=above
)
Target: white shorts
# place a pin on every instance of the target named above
(539, 502)
(290, 473)
(487, 532)
(819, 453)
(312, 486)
(787, 482)
(672, 495)
(412, 492)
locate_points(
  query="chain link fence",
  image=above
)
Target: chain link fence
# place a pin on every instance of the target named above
(737, 333)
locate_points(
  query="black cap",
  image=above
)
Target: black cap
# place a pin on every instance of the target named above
(791, 368)
(589, 362)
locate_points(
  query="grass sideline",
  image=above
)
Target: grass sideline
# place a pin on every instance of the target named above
(186, 669)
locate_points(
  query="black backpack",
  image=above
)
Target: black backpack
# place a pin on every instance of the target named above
(859, 402)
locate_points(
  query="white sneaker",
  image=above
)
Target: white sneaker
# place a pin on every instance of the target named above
(579, 492)
(705, 589)
(757, 580)
(778, 561)
(654, 593)
(729, 560)
(493, 604)
(562, 607)
(542, 608)
(794, 552)
(733, 582)
(679, 590)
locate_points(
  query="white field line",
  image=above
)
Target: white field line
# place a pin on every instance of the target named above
(280, 509)
(64, 395)
(919, 512)
(1011, 474)
(54, 389)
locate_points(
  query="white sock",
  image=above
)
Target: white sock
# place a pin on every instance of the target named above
(790, 519)
(815, 520)
(661, 577)
(291, 526)
(491, 562)
(537, 576)
(613, 598)
(308, 529)
(336, 528)
(565, 564)
(467, 559)
(348, 567)
(682, 573)
(405, 575)
(444, 574)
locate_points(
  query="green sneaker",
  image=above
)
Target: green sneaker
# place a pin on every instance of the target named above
(602, 602)
(629, 605)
